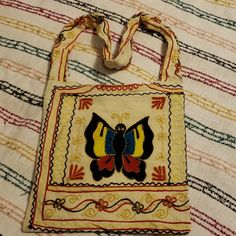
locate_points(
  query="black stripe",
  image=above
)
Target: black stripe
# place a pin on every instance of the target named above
(191, 124)
(72, 64)
(15, 178)
(21, 94)
(210, 133)
(123, 21)
(227, 23)
(212, 191)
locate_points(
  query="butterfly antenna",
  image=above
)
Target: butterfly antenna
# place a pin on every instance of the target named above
(125, 116)
(116, 116)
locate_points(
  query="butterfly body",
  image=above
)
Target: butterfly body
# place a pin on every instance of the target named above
(118, 149)
(119, 144)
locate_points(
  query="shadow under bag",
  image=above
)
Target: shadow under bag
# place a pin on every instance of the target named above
(111, 158)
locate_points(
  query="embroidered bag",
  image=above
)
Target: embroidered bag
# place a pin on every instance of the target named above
(111, 158)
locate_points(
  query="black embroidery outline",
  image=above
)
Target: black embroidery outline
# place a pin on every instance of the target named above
(68, 140)
(154, 184)
(136, 231)
(55, 141)
(38, 161)
(168, 94)
(185, 143)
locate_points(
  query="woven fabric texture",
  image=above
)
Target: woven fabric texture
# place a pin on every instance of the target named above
(206, 33)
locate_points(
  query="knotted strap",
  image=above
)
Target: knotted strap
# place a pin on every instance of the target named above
(68, 37)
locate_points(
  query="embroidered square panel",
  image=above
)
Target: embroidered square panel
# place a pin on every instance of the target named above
(111, 158)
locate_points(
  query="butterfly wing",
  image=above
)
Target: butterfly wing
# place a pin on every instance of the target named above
(138, 148)
(99, 138)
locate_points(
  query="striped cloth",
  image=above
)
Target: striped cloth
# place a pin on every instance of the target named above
(206, 33)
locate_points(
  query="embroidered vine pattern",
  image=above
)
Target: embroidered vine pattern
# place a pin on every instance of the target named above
(104, 206)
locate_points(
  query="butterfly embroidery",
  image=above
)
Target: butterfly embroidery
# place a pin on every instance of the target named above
(118, 149)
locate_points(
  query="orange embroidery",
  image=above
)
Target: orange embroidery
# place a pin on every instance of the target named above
(101, 204)
(159, 173)
(85, 103)
(177, 68)
(76, 172)
(158, 102)
(169, 201)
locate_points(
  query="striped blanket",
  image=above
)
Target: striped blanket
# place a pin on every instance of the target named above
(206, 30)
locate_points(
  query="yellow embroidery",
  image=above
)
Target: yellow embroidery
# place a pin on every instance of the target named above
(120, 118)
(161, 213)
(177, 152)
(99, 145)
(225, 3)
(20, 147)
(139, 139)
(50, 212)
(90, 212)
(111, 197)
(127, 214)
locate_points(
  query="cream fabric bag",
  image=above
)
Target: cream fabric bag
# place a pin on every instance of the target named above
(111, 158)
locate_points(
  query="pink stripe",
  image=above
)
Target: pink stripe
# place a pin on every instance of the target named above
(14, 119)
(138, 48)
(209, 223)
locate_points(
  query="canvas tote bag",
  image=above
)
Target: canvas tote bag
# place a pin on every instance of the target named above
(111, 158)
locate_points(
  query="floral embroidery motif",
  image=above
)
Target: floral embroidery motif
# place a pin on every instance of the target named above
(102, 205)
(58, 203)
(169, 201)
(138, 207)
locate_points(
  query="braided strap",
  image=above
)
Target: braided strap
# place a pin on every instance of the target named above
(68, 37)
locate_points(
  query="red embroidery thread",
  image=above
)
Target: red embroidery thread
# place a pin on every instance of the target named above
(159, 173)
(76, 172)
(158, 102)
(85, 103)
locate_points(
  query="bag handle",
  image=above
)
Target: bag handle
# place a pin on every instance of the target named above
(67, 40)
